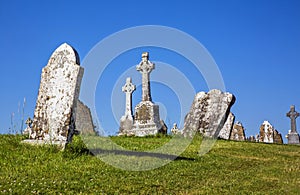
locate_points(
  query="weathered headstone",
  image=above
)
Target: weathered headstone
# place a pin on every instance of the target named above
(277, 137)
(238, 132)
(146, 118)
(54, 115)
(126, 120)
(84, 121)
(266, 133)
(175, 130)
(293, 136)
(28, 122)
(208, 113)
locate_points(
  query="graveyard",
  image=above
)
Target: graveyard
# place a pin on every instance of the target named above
(61, 153)
(231, 167)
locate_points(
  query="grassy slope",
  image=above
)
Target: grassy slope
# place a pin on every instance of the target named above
(230, 167)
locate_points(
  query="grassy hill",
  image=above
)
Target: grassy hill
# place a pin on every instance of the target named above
(229, 168)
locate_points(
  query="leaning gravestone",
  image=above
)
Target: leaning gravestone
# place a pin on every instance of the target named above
(209, 113)
(54, 115)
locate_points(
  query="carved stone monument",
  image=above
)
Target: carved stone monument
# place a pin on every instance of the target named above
(146, 119)
(293, 136)
(54, 115)
(126, 121)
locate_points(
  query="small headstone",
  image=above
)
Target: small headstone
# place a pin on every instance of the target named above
(268, 134)
(54, 115)
(251, 138)
(238, 132)
(28, 122)
(293, 136)
(175, 130)
(84, 121)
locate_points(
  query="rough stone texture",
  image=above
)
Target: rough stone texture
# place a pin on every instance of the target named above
(164, 128)
(146, 119)
(54, 115)
(238, 132)
(227, 128)
(277, 137)
(208, 113)
(84, 121)
(268, 134)
(293, 136)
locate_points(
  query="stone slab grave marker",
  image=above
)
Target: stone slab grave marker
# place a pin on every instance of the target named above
(84, 120)
(208, 115)
(293, 136)
(126, 120)
(54, 115)
(268, 134)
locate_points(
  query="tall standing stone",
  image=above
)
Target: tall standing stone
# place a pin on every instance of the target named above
(293, 136)
(54, 115)
(146, 119)
(126, 120)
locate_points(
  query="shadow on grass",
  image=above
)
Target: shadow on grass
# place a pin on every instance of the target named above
(96, 152)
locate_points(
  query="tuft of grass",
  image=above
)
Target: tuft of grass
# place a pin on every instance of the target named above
(229, 168)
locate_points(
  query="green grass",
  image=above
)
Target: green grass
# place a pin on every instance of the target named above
(229, 168)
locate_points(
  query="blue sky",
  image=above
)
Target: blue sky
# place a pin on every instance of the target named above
(256, 45)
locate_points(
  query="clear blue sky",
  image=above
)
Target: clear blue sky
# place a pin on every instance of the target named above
(256, 45)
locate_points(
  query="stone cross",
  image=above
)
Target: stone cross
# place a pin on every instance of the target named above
(292, 114)
(128, 88)
(145, 67)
